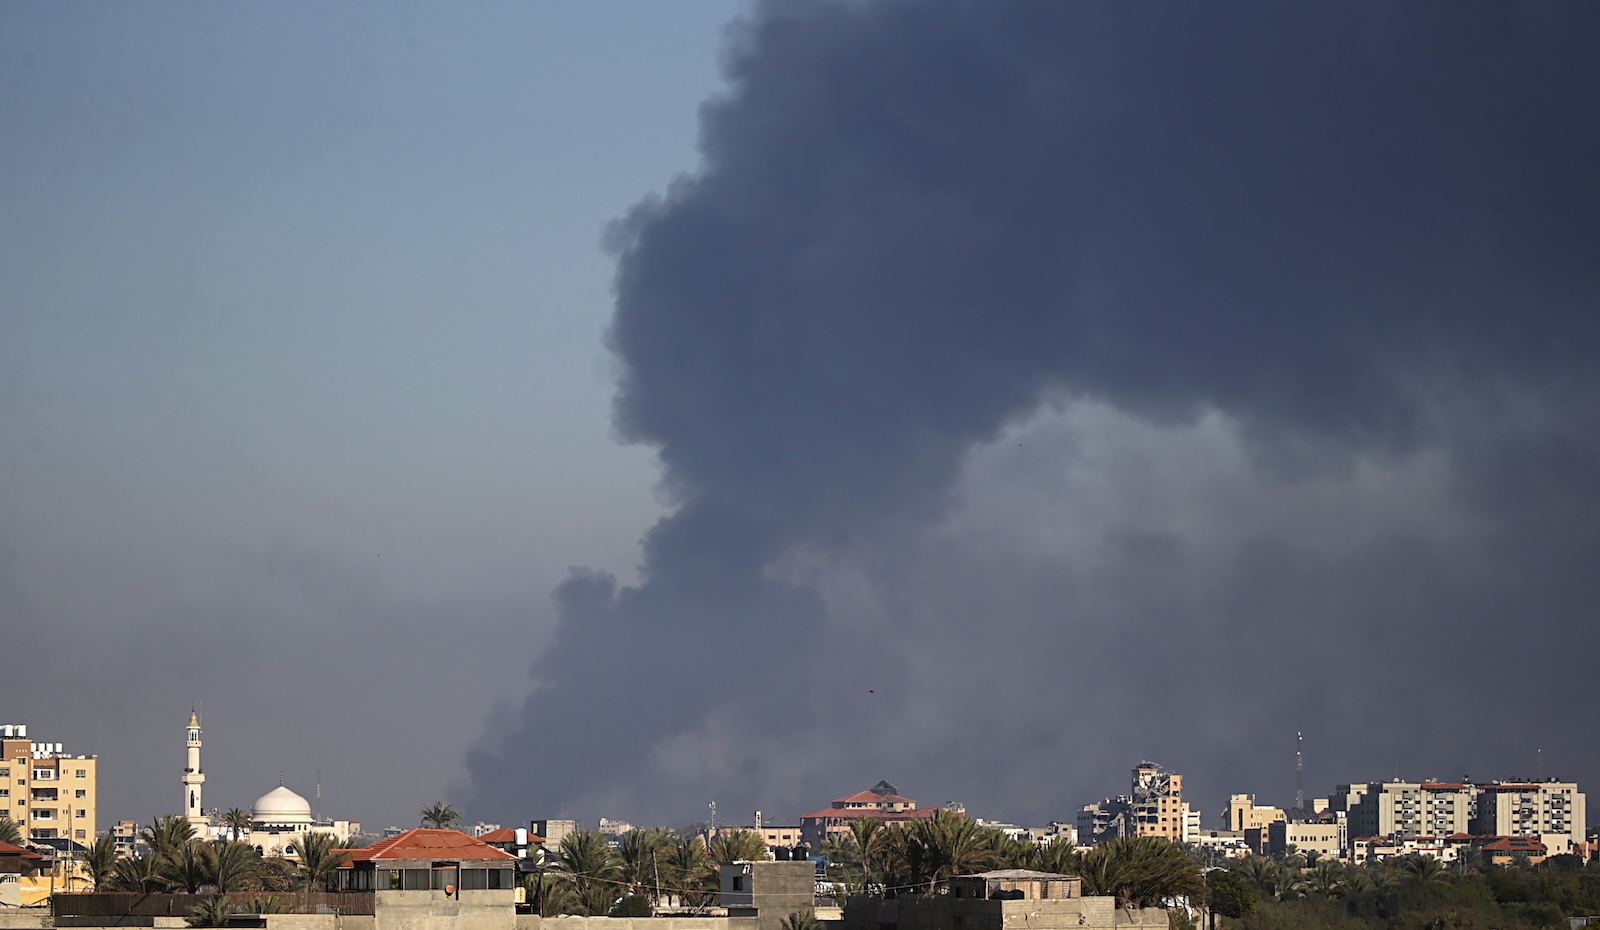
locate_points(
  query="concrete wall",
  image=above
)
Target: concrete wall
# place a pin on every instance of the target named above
(944, 912)
(435, 910)
(535, 922)
(12, 918)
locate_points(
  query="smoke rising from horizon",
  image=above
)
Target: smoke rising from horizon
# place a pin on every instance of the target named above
(1039, 388)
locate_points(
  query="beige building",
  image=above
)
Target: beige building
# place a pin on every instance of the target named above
(1244, 814)
(1329, 839)
(1551, 811)
(49, 792)
(1405, 809)
(1158, 808)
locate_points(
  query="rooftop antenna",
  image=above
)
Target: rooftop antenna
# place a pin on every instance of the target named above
(1540, 753)
(1299, 772)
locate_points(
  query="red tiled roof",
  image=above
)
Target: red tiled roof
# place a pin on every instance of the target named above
(429, 844)
(1514, 844)
(507, 835)
(869, 797)
(6, 849)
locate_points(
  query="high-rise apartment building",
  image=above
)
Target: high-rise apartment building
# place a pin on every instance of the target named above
(47, 791)
(1158, 808)
(1553, 811)
(1407, 809)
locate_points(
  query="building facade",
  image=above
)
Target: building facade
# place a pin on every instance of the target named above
(1407, 809)
(882, 801)
(1552, 812)
(50, 793)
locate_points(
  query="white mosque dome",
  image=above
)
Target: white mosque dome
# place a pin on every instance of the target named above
(280, 805)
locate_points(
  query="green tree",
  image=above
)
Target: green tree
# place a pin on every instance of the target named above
(167, 838)
(640, 852)
(738, 846)
(9, 831)
(595, 871)
(690, 872)
(1059, 855)
(632, 905)
(440, 816)
(551, 893)
(1142, 871)
(143, 874)
(866, 834)
(100, 859)
(320, 858)
(1231, 894)
(801, 920)
(1419, 869)
(211, 912)
(239, 821)
(231, 865)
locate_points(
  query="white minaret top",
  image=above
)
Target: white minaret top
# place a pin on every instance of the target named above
(193, 776)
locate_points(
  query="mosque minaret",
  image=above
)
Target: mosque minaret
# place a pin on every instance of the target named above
(277, 820)
(194, 777)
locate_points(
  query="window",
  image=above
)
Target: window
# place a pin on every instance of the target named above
(738, 883)
(81, 813)
(82, 793)
(5, 792)
(78, 835)
(415, 879)
(83, 773)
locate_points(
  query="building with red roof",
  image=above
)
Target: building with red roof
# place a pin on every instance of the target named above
(882, 801)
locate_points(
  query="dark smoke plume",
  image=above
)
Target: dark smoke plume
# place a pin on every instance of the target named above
(1357, 242)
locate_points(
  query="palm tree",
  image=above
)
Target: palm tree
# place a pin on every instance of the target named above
(551, 893)
(440, 816)
(738, 846)
(320, 859)
(142, 874)
(212, 912)
(191, 867)
(641, 852)
(239, 821)
(1423, 870)
(9, 831)
(100, 859)
(167, 837)
(1059, 855)
(1142, 871)
(232, 864)
(689, 871)
(1326, 879)
(801, 920)
(868, 837)
(594, 868)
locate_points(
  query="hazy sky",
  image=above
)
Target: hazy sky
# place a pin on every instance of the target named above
(1018, 391)
(301, 375)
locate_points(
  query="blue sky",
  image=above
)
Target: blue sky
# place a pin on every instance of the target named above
(319, 280)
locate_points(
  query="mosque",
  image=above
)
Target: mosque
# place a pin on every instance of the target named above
(276, 821)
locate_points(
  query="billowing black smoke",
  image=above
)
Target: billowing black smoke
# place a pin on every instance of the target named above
(1356, 237)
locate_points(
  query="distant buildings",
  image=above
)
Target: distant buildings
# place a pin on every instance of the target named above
(1154, 807)
(50, 793)
(882, 801)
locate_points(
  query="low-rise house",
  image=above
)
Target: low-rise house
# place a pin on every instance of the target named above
(435, 878)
